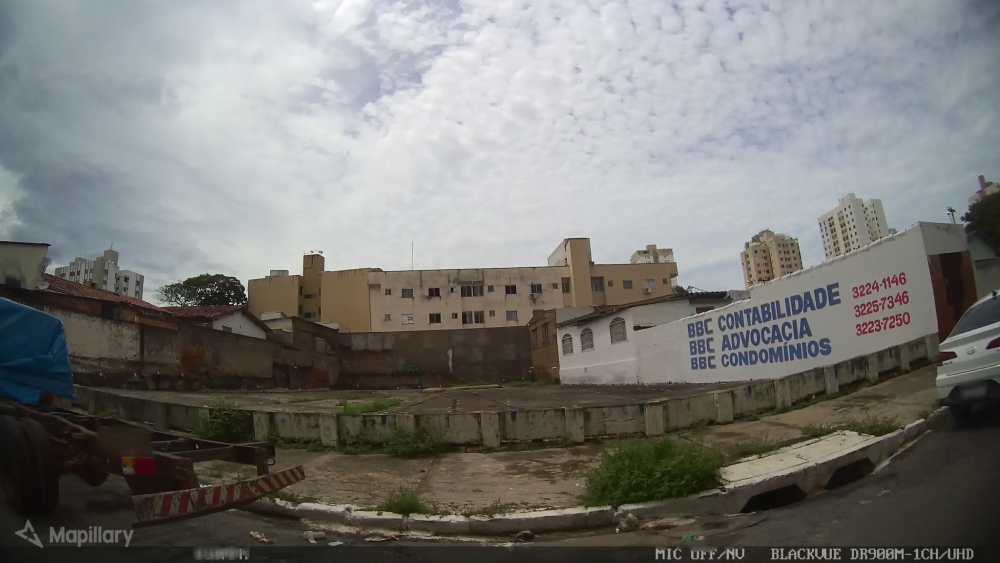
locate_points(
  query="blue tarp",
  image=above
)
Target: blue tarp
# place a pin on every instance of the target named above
(33, 355)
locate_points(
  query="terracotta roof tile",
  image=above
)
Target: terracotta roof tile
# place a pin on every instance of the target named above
(66, 287)
(204, 312)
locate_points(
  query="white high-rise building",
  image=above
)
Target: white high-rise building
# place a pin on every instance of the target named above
(103, 272)
(854, 223)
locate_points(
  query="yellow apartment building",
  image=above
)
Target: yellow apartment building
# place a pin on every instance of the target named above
(373, 300)
(768, 256)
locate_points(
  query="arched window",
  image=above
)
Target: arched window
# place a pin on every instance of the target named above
(618, 330)
(586, 339)
(567, 343)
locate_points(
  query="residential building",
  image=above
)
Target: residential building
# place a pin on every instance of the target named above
(373, 300)
(22, 264)
(768, 256)
(227, 318)
(103, 273)
(544, 351)
(651, 255)
(853, 224)
(985, 189)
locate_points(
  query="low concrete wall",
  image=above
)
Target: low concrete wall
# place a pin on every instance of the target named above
(572, 424)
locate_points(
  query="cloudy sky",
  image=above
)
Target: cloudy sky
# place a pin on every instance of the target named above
(231, 136)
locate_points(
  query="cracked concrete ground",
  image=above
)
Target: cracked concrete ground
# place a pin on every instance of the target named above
(555, 477)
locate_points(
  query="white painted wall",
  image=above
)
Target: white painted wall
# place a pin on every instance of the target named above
(93, 337)
(606, 363)
(669, 311)
(680, 351)
(240, 323)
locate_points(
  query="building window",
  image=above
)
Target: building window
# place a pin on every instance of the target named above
(618, 330)
(388, 291)
(511, 316)
(567, 344)
(666, 281)
(407, 293)
(586, 339)
(300, 309)
(434, 319)
(555, 286)
(386, 318)
(489, 288)
(597, 284)
(472, 317)
(611, 283)
(227, 328)
(310, 315)
(433, 292)
(454, 315)
(565, 287)
(310, 296)
(407, 319)
(536, 288)
(649, 284)
(510, 289)
(534, 338)
(493, 313)
(545, 334)
(472, 291)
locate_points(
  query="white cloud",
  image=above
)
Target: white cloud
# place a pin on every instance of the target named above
(233, 137)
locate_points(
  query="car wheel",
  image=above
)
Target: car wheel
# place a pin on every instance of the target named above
(960, 412)
(47, 472)
(17, 471)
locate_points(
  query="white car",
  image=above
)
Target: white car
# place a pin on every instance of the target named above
(969, 364)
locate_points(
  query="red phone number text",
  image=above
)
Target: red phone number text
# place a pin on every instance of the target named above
(885, 303)
(888, 282)
(883, 324)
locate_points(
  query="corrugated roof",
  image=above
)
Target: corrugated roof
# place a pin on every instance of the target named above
(66, 287)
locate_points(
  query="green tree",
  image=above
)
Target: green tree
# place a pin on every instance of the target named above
(206, 289)
(983, 220)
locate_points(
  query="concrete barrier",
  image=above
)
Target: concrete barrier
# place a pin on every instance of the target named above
(574, 424)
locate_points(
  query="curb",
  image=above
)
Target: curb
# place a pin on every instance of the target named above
(808, 478)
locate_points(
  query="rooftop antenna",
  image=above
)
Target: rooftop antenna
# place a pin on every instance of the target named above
(411, 254)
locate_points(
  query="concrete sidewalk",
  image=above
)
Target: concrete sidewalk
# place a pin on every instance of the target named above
(472, 482)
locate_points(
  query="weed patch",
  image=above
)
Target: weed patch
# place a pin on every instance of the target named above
(645, 470)
(526, 383)
(403, 501)
(756, 446)
(818, 430)
(367, 406)
(108, 412)
(290, 497)
(418, 443)
(226, 423)
(873, 425)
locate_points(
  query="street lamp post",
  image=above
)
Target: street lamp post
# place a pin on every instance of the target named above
(951, 213)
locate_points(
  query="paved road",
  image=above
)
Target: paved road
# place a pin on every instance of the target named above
(941, 491)
(110, 507)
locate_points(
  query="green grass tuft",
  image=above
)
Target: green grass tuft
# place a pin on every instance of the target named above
(873, 425)
(226, 423)
(418, 443)
(404, 501)
(644, 470)
(367, 406)
(818, 430)
(494, 508)
(756, 446)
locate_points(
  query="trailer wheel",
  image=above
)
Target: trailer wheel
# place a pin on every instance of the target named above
(47, 472)
(17, 472)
